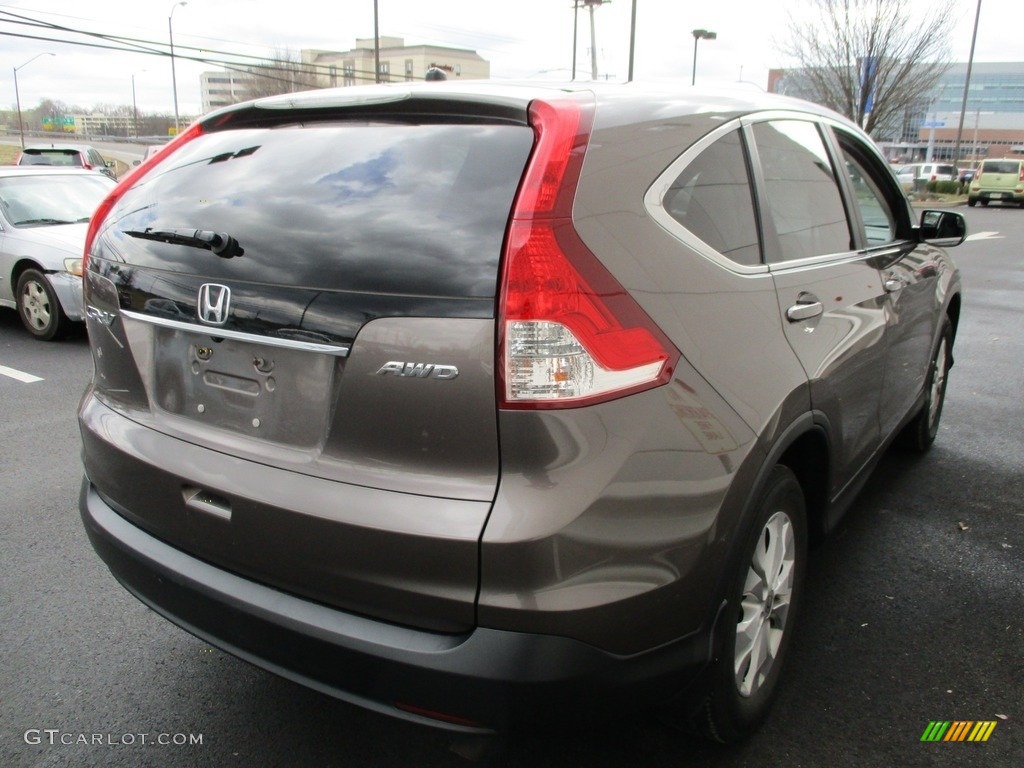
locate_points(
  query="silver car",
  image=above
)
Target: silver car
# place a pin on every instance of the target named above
(68, 156)
(44, 213)
(478, 404)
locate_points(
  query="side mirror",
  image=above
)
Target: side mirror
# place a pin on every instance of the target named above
(943, 228)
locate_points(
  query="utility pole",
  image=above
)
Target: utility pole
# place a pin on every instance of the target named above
(593, 39)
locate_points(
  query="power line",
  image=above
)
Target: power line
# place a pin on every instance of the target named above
(138, 45)
(261, 63)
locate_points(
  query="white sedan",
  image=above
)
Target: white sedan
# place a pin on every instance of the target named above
(44, 213)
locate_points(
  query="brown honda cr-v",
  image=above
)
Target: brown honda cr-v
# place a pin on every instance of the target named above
(478, 404)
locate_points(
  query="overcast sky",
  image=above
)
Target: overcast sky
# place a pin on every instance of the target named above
(521, 39)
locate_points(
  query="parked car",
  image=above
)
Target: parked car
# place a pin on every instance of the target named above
(915, 176)
(1000, 181)
(478, 404)
(44, 213)
(67, 155)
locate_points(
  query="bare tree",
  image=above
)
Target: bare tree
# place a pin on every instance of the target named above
(284, 72)
(870, 60)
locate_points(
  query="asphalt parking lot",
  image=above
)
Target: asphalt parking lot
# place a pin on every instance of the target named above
(914, 611)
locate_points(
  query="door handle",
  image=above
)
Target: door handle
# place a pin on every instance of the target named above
(804, 310)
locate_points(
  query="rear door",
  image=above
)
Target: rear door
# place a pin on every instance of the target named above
(830, 295)
(303, 311)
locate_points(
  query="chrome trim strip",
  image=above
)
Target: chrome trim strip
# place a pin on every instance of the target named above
(339, 350)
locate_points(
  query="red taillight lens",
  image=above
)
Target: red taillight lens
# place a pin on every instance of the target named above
(570, 333)
(1020, 175)
(127, 181)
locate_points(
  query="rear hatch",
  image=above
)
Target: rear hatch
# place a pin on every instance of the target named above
(1000, 179)
(294, 313)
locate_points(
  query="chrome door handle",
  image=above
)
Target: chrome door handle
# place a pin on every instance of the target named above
(804, 311)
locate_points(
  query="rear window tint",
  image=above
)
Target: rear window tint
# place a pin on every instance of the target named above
(1000, 166)
(51, 157)
(803, 196)
(376, 208)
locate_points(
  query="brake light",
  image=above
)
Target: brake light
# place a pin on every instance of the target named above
(1020, 174)
(128, 181)
(569, 333)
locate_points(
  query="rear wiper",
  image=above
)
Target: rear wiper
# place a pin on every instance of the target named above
(220, 243)
(42, 221)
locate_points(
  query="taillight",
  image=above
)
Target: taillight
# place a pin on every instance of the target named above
(1020, 175)
(569, 333)
(128, 181)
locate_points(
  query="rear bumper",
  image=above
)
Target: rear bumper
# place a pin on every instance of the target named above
(997, 195)
(480, 681)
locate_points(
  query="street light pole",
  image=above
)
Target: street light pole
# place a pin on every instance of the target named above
(376, 43)
(575, 29)
(632, 41)
(699, 34)
(174, 75)
(135, 105)
(967, 85)
(17, 96)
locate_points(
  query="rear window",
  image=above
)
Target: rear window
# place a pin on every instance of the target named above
(61, 157)
(366, 207)
(1000, 166)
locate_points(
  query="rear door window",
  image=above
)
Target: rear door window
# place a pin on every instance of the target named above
(805, 207)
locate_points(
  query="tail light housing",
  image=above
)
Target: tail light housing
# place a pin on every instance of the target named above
(569, 333)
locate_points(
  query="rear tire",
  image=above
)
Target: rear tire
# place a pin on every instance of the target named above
(38, 306)
(763, 606)
(919, 434)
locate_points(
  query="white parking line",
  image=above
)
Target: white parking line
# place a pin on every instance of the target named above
(985, 236)
(28, 378)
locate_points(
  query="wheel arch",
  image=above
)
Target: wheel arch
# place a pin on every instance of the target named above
(804, 447)
(23, 264)
(953, 311)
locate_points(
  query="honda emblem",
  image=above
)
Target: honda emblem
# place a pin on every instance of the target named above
(214, 303)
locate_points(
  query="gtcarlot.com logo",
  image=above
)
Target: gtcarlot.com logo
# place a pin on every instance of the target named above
(57, 737)
(958, 730)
